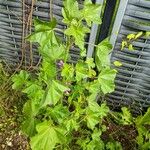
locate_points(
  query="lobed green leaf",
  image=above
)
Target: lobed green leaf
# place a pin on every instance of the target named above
(106, 79)
(20, 79)
(47, 137)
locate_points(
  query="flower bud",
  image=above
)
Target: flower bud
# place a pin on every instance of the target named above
(67, 92)
(60, 64)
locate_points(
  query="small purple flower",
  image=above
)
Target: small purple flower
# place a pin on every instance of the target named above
(60, 64)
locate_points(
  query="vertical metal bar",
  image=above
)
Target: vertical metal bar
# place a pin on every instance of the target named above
(93, 34)
(118, 21)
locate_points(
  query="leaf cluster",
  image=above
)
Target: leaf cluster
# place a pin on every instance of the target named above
(130, 38)
(140, 123)
(62, 109)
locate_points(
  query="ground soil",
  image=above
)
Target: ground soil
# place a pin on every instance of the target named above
(125, 134)
(11, 137)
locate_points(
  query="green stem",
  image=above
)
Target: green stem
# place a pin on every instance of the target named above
(51, 9)
(68, 45)
(91, 44)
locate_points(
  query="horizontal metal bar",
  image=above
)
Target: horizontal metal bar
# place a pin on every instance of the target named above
(144, 3)
(138, 14)
(136, 25)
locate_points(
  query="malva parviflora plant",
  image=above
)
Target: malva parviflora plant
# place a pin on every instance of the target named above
(62, 110)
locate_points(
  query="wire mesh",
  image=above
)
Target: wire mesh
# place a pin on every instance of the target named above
(133, 78)
(16, 19)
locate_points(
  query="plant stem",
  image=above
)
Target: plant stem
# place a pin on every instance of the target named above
(91, 44)
(68, 45)
(51, 9)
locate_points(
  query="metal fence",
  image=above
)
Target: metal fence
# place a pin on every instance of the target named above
(16, 17)
(133, 79)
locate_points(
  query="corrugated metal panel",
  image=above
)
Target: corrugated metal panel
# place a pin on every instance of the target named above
(9, 34)
(133, 79)
(11, 27)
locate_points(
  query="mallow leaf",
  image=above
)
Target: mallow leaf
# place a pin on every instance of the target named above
(94, 87)
(60, 54)
(59, 113)
(126, 117)
(131, 36)
(68, 71)
(78, 32)
(34, 91)
(92, 97)
(20, 79)
(47, 137)
(47, 71)
(91, 12)
(50, 46)
(90, 62)
(44, 35)
(44, 25)
(30, 110)
(95, 145)
(147, 34)
(81, 71)
(92, 119)
(138, 35)
(101, 111)
(70, 11)
(102, 54)
(95, 112)
(43, 31)
(115, 145)
(106, 79)
(145, 119)
(55, 92)
(28, 126)
(71, 124)
(117, 63)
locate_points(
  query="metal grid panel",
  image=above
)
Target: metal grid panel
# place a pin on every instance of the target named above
(11, 28)
(133, 79)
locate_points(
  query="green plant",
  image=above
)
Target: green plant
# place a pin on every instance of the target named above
(127, 42)
(62, 111)
(10, 112)
(142, 125)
